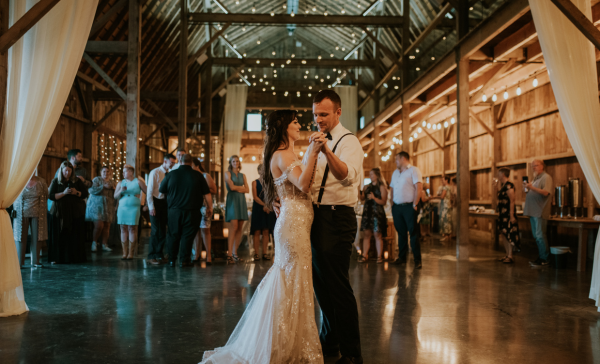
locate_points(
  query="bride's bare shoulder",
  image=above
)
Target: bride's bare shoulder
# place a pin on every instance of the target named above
(280, 160)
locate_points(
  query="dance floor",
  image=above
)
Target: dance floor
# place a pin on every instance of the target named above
(478, 311)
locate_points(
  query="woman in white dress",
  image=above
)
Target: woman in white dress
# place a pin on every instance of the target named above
(279, 325)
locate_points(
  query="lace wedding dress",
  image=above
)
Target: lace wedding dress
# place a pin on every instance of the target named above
(279, 325)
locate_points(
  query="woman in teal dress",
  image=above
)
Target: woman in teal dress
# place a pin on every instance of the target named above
(236, 210)
(128, 214)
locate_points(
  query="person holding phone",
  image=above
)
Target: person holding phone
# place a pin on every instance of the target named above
(537, 207)
(66, 242)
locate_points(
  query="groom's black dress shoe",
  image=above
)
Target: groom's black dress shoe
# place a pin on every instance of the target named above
(349, 360)
(399, 262)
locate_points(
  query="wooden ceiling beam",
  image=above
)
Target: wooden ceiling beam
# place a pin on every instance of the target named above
(103, 19)
(106, 46)
(298, 19)
(293, 62)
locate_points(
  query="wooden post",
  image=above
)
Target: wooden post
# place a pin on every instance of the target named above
(462, 143)
(376, 156)
(88, 130)
(4, 8)
(405, 46)
(183, 54)
(406, 127)
(208, 114)
(133, 86)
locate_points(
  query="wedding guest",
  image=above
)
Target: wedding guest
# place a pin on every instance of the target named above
(424, 211)
(66, 242)
(406, 189)
(186, 191)
(204, 232)
(180, 153)
(31, 212)
(537, 207)
(445, 195)
(263, 219)
(157, 205)
(507, 224)
(128, 214)
(236, 210)
(101, 208)
(374, 221)
(75, 157)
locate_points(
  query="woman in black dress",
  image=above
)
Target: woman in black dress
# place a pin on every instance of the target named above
(508, 227)
(263, 219)
(374, 220)
(66, 243)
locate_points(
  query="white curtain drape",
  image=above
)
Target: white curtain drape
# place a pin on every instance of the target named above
(349, 118)
(41, 68)
(235, 113)
(571, 65)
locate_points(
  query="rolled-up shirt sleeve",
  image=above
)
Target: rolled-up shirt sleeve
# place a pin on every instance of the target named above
(352, 154)
(152, 180)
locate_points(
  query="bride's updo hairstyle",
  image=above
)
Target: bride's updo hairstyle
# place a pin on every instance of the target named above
(277, 139)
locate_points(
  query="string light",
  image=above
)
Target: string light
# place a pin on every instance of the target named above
(484, 98)
(494, 97)
(424, 123)
(505, 95)
(253, 8)
(452, 121)
(535, 82)
(519, 90)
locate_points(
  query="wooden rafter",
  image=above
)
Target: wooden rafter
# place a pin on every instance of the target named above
(495, 77)
(102, 20)
(585, 26)
(300, 19)
(115, 107)
(26, 22)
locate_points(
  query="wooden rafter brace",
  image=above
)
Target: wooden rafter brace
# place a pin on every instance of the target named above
(434, 140)
(115, 107)
(225, 83)
(585, 26)
(485, 126)
(26, 22)
(501, 71)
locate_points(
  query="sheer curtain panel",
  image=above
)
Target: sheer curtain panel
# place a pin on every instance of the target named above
(571, 63)
(349, 118)
(41, 69)
(235, 115)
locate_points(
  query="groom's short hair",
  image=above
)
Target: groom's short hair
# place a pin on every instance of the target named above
(328, 94)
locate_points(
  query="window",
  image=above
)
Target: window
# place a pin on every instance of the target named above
(254, 122)
(362, 122)
(366, 181)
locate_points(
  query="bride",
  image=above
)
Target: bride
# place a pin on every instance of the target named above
(279, 325)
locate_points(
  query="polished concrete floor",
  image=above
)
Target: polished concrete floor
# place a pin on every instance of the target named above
(479, 311)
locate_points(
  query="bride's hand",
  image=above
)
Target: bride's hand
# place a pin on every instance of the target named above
(276, 207)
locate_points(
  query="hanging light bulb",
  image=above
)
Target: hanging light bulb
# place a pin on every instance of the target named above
(494, 97)
(419, 130)
(258, 41)
(284, 6)
(519, 90)
(439, 126)
(452, 121)
(292, 14)
(314, 8)
(535, 82)
(505, 95)
(424, 123)
(410, 139)
(253, 8)
(428, 125)
(445, 124)
(484, 98)
(325, 13)
(415, 135)
(343, 10)
(392, 147)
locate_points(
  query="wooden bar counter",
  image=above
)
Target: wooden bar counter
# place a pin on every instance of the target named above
(583, 226)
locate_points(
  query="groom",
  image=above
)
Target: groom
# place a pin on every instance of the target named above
(337, 178)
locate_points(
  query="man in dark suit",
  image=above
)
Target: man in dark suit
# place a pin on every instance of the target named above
(186, 191)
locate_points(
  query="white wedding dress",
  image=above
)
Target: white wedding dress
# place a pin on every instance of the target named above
(279, 325)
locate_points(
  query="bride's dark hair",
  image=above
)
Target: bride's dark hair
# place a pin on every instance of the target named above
(277, 139)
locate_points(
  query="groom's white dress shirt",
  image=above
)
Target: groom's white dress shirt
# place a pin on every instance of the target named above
(349, 151)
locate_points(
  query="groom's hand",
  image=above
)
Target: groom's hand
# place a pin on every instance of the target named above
(276, 207)
(315, 135)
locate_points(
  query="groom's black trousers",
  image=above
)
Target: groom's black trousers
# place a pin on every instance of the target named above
(332, 236)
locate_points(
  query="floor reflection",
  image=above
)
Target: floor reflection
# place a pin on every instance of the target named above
(480, 311)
